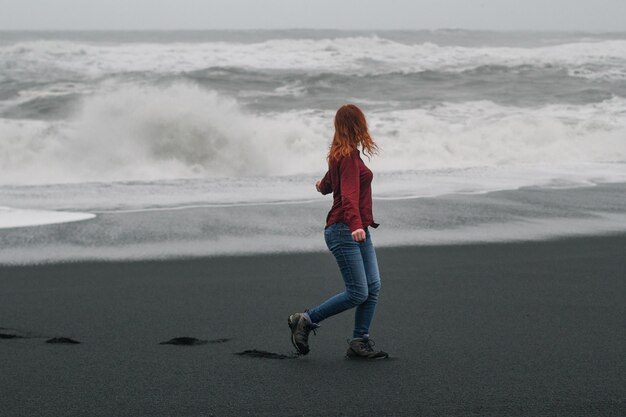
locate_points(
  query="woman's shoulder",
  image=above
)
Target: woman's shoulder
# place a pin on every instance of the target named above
(355, 154)
(343, 161)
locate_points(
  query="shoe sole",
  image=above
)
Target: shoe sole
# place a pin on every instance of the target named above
(365, 358)
(352, 355)
(293, 340)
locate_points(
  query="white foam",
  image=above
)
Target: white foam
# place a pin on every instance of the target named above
(182, 131)
(482, 133)
(605, 59)
(125, 197)
(10, 217)
(157, 133)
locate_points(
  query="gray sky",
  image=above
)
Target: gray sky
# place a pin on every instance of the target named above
(593, 15)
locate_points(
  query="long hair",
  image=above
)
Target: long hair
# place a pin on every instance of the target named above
(351, 132)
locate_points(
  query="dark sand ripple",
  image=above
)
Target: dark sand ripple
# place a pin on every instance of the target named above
(192, 341)
(63, 340)
(185, 341)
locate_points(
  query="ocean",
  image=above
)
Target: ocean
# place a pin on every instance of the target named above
(117, 145)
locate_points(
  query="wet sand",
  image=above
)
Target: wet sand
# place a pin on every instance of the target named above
(503, 329)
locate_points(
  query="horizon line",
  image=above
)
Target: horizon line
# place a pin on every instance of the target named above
(452, 29)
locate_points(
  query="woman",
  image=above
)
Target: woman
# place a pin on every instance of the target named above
(347, 236)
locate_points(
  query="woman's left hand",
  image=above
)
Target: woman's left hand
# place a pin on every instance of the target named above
(358, 235)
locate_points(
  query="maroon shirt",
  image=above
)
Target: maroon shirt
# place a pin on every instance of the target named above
(351, 184)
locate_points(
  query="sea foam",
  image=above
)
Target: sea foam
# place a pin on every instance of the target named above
(12, 218)
(130, 133)
(593, 59)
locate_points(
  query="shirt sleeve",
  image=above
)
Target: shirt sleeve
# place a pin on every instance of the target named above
(325, 185)
(350, 188)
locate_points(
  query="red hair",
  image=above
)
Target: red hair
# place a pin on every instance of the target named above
(350, 132)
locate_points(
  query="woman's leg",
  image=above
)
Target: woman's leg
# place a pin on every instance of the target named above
(349, 257)
(365, 311)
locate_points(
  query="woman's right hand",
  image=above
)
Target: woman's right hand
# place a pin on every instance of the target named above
(358, 235)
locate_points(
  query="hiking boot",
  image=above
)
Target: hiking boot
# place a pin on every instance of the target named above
(363, 348)
(300, 329)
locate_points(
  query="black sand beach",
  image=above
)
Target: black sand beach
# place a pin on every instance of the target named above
(503, 329)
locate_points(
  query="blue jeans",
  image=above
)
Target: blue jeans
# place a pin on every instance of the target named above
(359, 268)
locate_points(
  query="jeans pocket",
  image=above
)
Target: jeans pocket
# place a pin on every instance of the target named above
(333, 235)
(328, 233)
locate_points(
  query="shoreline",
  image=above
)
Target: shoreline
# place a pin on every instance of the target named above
(553, 239)
(499, 217)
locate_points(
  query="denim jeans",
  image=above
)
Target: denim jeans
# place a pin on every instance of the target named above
(359, 268)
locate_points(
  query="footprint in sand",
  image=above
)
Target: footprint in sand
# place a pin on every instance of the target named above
(10, 333)
(65, 340)
(253, 353)
(192, 341)
(10, 336)
(7, 333)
